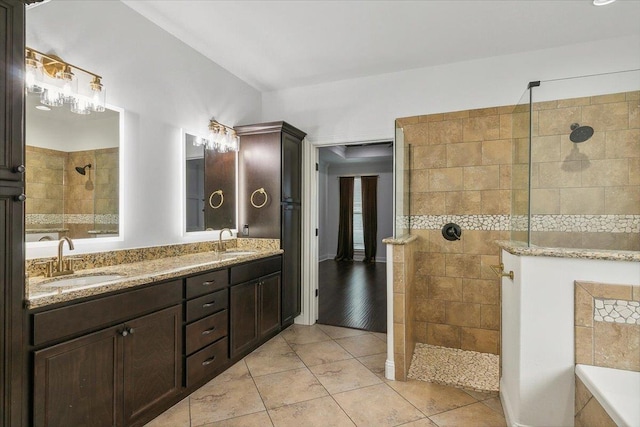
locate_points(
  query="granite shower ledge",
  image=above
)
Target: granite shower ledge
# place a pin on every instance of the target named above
(135, 274)
(402, 240)
(520, 248)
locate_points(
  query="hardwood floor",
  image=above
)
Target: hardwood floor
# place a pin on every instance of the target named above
(353, 295)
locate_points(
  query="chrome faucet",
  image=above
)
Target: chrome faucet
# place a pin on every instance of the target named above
(220, 236)
(62, 268)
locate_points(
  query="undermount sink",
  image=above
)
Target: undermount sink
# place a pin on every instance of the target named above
(81, 280)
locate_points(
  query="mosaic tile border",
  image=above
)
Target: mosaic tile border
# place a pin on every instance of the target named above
(616, 311)
(562, 223)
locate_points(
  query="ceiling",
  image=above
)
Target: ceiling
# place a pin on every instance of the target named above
(275, 45)
(379, 152)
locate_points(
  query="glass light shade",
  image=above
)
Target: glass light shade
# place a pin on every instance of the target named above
(81, 106)
(69, 86)
(33, 78)
(52, 98)
(98, 100)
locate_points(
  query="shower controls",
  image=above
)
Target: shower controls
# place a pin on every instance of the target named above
(451, 231)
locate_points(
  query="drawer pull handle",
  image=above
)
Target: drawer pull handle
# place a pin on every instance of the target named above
(209, 283)
(209, 304)
(208, 361)
(208, 331)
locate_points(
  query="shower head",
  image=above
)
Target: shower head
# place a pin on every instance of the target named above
(83, 170)
(580, 133)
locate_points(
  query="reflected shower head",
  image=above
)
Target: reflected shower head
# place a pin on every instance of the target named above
(83, 170)
(580, 133)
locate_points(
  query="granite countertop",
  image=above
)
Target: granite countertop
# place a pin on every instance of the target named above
(402, 240)
(135, 274)
(520, 248)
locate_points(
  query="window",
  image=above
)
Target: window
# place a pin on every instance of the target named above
(358, 234)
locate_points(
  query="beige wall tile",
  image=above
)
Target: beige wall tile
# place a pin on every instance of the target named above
(556, 239)
(445, 179)
(558, 121)
(438, 117)
(429, 310)
(481, 340)
(582, 395)
(403, 121)
(622, 143)
(398, 308)
(398, 338)
(622, 200)
(463, 202)
(419, 180)
(490, 317)
(609, 98)
(545, 201)
(584, 345)
(482, 291)
(607, 291)
(462, 314)
(546, 148)
(398, 254)
(606, 173)
(606, 116)
(573, 102)
(506, 125)
(430, 156)
(482, 242)
(464, 154)
(496, 152)
(437, 243)
(520, 124)
(632, 96)
(445, 132)
(430, 264)
(481, 128)
(482, 112)
(456, 115)
(462, 265)
(582, 201)
(611, 241)
(485, 262)
(432, 203)
(445, 288)
(634, 115)
(559, 174)
(593, 414)
(636, 293)
(583, 306)
(545, 105)
(594, 148)
(634, 171)
(505, 177)
(616, 345)
(496, 202)
(417, 133)
(443, 335)
(482, 177)
(398, 277)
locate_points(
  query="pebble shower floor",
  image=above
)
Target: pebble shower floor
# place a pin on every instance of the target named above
(455, 367)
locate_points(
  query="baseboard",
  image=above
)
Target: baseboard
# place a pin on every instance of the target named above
(358, 259)
(506, 405)
(390, 370)
(325, 258)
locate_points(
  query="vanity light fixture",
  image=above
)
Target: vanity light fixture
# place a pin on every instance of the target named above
(58, 82)
(221, 138)
(602, 2)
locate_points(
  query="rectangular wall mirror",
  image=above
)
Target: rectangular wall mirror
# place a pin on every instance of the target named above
(72, 172)
(210, 187)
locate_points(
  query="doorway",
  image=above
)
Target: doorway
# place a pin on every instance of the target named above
(352, 293)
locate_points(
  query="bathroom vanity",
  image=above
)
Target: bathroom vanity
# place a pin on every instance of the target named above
(122, 357)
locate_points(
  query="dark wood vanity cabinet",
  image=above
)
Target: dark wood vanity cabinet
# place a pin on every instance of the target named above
(255, 301)
(12, 368)
(219, 189)
(270, 158)
(116, 375)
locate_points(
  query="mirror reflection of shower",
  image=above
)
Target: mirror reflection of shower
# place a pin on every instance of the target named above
(82, 170)
(575, 160)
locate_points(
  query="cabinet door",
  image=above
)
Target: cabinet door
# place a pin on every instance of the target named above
(12, 90)
(11, 298)
(244, 317)
(76, 383)
(152, 360)
(269, 304)
(291, 169)
(291, 235)
(219, 175)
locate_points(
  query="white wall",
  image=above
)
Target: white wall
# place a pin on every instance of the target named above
(328, 242)
(163, 85)
(364, 109)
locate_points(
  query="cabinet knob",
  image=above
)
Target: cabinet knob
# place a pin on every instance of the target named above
(124, 333)
(21, 198)
(131, 330)
(19, 169)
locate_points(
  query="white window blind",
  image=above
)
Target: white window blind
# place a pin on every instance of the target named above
(358, 234)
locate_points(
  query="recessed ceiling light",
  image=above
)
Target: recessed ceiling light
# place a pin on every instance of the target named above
(602, 2)
(43, 108)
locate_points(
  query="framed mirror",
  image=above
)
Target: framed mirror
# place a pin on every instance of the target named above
(209, 187)
(72, 172)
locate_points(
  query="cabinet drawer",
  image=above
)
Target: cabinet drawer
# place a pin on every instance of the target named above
(206, 331)
(255, 269)
(205, 283)
(207, 304)
(207, 361)
(91, 315)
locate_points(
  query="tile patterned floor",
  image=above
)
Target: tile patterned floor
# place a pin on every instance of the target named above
(326, 376)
